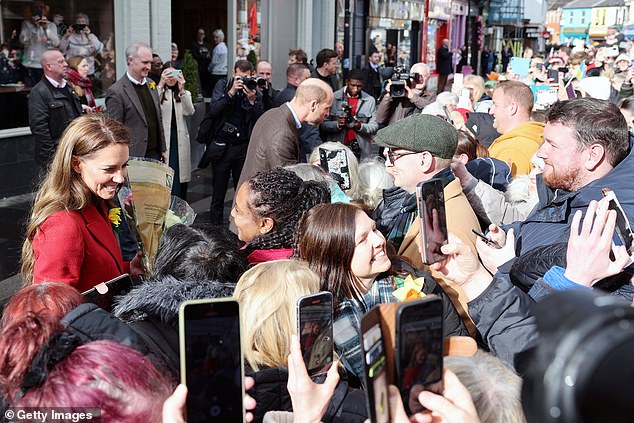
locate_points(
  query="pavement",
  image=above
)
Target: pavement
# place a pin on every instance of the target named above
(14, 212)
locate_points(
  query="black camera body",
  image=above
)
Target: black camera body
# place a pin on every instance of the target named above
(347, 110)
(253, 83)
(580, 370)
(399, 79)
(78, 27)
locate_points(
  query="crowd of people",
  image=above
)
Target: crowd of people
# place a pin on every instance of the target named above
(530, 174)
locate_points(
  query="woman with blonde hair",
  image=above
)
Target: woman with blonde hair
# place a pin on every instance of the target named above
(268, 294)
(70, 236)
(481, 101)
(176, 103)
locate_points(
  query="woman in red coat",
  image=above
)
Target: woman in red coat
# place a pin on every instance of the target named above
(70, 237)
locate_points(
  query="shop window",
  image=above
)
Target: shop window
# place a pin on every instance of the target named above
(29, 28)
(248, 43)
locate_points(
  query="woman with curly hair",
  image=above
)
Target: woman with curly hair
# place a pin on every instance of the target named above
(268, 208)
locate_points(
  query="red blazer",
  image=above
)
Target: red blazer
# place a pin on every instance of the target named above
(78, 248)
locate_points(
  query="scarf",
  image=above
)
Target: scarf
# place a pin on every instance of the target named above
(75, 79)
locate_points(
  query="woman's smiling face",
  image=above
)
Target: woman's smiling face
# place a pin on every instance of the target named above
(369, 259)
(104, 171)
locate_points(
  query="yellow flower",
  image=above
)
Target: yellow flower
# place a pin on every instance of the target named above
(152, 85)
(114, 215)
(412, 288)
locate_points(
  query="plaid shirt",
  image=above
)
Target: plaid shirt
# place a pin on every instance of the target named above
(347, 324)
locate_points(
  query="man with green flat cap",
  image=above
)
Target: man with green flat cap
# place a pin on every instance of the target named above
(417, 149)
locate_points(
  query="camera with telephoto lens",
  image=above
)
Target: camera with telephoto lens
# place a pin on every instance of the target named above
(347, 111)
(400, 77)
(261, 82)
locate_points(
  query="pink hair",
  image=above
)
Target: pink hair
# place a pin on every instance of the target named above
(55, 297)
(121, 382)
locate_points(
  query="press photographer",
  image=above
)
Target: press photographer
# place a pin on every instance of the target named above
(235, 106)
(405, 94)
(352, 119)
(263, 74)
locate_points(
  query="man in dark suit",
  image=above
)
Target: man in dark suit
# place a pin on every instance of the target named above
(133, 101)
(443, 64)
(372, 81)
(274, 140)
(52, 106)
(235, 108)
(296, 73)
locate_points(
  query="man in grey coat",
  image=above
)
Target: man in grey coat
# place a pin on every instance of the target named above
(352, 119)
(133, 101)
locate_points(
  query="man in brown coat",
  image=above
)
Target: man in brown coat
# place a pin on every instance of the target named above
(417, 149)
(274, 138)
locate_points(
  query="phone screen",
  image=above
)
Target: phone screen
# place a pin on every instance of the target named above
(335, 162)
(314, 328)
(212, 364)
(553, 74)
(419, 347)
(375, 363)
(431, 211)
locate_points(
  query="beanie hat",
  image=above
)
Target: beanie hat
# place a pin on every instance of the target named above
(421, 133)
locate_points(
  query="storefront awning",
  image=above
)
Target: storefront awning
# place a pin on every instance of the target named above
(575, 30)
(598, 31)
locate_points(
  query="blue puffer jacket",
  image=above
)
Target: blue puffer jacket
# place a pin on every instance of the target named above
(550, 221)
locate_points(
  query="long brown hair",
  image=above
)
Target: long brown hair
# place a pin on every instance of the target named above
(325, 240)
(63, 188)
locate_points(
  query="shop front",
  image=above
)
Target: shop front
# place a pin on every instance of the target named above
(394, 30)
(437, 28)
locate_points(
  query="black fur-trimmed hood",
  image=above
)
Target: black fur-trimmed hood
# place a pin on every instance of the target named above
(160, 298)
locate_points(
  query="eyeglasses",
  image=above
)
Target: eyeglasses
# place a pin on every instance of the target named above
(392, 156)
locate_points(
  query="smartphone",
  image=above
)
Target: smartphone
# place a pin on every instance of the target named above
(175, 73)
(103, 294)
(314, 328)
(553, 76)
(622, 230)
(211, 360)
(375, 365)
(335, 162)
(418, 352)
(433, 219)
(486, 239)
(449, 119)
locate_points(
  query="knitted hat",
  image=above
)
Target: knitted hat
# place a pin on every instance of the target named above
(421, 133)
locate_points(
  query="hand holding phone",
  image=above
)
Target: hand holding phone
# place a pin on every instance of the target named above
(211, 360)
(314, 329)
(419, 350)
(376, 367)
(335, 162)
(308, 397)
(433, 220)
(592, 253)
(487, 240)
